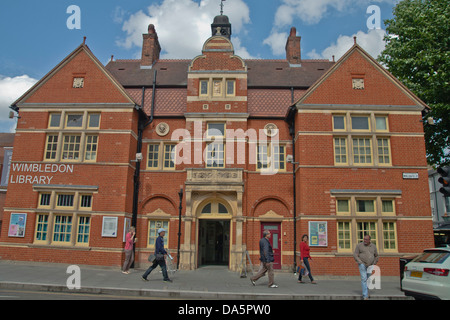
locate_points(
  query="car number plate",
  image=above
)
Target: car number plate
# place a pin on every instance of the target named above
(416, 274)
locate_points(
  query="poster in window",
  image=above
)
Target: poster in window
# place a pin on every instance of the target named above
(318, 234)
(109, 227)
(17, 225)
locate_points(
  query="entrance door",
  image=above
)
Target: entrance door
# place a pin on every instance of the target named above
(214, 242)
(275, 241)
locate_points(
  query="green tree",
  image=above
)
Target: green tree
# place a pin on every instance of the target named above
(417, 53)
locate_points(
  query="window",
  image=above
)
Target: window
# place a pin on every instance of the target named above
(63, 223)
(153, 227)
(93, 120)
(55, 120)
(360, 123)
(362, 151)
(44, 199)
(356, 149)
(262, 162)
(384, 157)
(204, 87)
(85, 202)
(387, 207)
(214, 88)
(231, 87)
(65, 200)
(62, 230)
(51, 147)
(215, 130)
(84, 224)
(389, 236)
(169, 156)
(153, 156)
(90, 153)
(214, 208)
(339, 122)
(342, 207)
(344, 236)
(165, 160)
(365, 207)
(279, 153)
(74, 121)
(370, 228)
(215, 155)
(340, 150)
(359, 216)
(71, 147)
(42, 227)
(381, 123)
(72, 143)
(215, 149)
(271, 157)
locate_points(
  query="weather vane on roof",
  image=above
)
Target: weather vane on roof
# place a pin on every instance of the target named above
(221, 7)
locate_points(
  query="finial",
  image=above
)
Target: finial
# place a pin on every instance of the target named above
(84, 41)
(221, 7)
(354, 39)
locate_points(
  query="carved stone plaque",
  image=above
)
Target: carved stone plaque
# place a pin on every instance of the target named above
(162, 129)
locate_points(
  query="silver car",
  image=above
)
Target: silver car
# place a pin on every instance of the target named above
(427, 275)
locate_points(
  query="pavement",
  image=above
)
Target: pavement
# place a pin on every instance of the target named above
(204, 283)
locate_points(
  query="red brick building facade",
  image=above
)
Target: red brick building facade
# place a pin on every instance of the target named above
(332, 150)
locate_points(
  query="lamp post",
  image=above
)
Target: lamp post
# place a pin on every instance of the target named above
(180, 194)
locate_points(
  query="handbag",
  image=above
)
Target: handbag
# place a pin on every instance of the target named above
(152, 258)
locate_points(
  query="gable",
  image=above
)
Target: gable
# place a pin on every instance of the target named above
(374, 85)
(218, 54)
(58, 85)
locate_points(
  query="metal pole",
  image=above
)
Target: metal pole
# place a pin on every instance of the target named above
(180, 194)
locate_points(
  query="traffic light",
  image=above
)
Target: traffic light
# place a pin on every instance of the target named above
(444, 180)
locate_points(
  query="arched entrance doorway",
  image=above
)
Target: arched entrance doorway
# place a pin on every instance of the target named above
(214, 234)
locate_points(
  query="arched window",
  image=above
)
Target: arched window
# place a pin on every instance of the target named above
(214, 208)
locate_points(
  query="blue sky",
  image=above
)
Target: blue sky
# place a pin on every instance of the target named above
(35, 34)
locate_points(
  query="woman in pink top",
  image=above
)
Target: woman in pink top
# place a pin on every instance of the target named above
(304, 256)
(129, 253)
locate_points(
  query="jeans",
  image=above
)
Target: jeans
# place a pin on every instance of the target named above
(306, 263)
(364, 277)
(162, 264)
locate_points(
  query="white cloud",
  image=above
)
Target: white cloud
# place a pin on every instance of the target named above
(372, 42)
(182, 25)
(10, 90)
(277, 41)
(312, 11)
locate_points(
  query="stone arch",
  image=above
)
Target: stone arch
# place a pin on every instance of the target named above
(158, 201)
(270, 204)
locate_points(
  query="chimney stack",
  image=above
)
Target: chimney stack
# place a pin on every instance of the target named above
(293, 51)
(150, 48)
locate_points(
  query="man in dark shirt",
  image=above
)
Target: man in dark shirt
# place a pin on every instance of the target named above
(160, 253)
(267, 259)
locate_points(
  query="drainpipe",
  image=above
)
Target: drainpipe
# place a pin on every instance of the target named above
(291, 123)
(137, 172)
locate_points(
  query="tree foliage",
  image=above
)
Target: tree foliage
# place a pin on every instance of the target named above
(418, 54)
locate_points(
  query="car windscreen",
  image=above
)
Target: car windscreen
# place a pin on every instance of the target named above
(432, 256)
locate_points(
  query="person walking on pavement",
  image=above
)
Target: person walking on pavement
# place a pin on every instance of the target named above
(304, 256)
(365, 254)
(267, 260)
(129, 252)
(160, 253)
